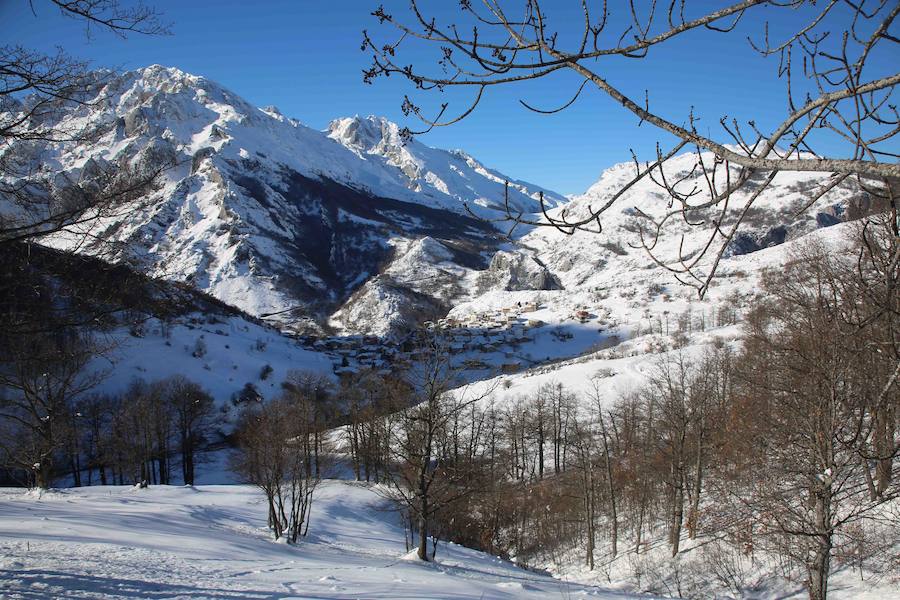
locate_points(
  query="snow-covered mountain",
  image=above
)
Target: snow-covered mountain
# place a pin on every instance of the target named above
(355, 228)
(267, 214)
(445, 179)
(779, 214)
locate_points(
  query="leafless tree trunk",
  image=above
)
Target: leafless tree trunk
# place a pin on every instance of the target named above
(42, 376)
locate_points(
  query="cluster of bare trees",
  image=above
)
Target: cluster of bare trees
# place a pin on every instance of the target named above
(142, 434)
(368, 398)
(433, 444)
(434, 448)
(423, 436)
(821, 368)
(52, 424)
(786, 441)
(283, 450)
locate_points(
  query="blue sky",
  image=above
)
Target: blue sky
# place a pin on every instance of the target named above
(304, 57)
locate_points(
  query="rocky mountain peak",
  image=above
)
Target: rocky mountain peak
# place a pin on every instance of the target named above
(272, 216)
(372, 134)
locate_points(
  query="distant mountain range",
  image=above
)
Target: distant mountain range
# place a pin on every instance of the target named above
(271, 216)
(354, 229)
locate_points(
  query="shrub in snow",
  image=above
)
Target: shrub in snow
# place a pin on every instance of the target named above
(248, 394)
(199, 348)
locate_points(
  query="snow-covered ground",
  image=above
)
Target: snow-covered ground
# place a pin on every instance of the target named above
(211, 542)
(698, 572)
(221, 354)
(636, 312)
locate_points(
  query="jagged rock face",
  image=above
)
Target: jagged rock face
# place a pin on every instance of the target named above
(385, 307)
(517, 271)
(745, 243)
(447, 179)
(420, 281)
(271, 216)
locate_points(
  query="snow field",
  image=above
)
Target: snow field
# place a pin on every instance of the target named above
(212, 542)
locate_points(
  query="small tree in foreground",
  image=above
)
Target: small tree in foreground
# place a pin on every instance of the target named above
(276, 453)
(434, 460)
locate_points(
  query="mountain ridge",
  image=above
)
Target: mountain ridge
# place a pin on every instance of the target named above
(261, 211)
(323, 230)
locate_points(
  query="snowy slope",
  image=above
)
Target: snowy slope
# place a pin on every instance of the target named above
(587, 259)
(222, 355)
(212, 542)
(646, 312)
(141, 328)
(444, 178)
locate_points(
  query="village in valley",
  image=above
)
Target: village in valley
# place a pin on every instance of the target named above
(508, 340)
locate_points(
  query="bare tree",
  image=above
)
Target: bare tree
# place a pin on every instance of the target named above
(369, 399)
(42, 376)
(606, 443)
(275, 453)
(824, 64)
(875, 313)
(315, 392)
(674, 388)
(95, 413)
(193, 412)
(585, 452)
(428, 477)
(141, 434)
(708, 403)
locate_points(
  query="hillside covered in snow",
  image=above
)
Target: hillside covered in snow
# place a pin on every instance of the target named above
(210, 541)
